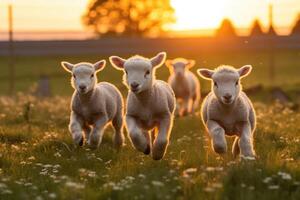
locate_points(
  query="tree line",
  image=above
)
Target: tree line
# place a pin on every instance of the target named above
(149, 18)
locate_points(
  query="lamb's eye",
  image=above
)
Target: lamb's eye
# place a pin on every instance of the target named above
(215, 84)
(74, 76)
(147, 73)
(236, 83)
(92, 76)
(126, 72)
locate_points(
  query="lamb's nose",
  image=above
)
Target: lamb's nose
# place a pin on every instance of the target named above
(82, 87)
(227, 96)
(134, 85)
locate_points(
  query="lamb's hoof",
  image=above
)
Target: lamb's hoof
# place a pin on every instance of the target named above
(148, 150)
(81, 142)
(220, 149)
(78, 140)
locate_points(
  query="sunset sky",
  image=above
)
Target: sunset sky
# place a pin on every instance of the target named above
(64, 15)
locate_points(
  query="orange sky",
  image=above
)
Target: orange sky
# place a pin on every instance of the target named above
(61, 15)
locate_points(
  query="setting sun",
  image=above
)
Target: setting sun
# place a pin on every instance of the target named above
(66, 15)
(191, 14)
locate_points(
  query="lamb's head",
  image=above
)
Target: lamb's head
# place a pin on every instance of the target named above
(84, 76)
(139, 71)
(226, 81)
(179, 66)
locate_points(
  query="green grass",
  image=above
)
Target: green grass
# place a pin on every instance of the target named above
(39, 161)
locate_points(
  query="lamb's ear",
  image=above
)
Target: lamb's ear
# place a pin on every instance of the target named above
(159, 59)
(190, 63)
(168, 63)
(245, 70)
(67, 66)
(205, 73)
(98, 66)
(117, 62)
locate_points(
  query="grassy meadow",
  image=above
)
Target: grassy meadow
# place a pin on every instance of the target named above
(39, 161)
(29, 69)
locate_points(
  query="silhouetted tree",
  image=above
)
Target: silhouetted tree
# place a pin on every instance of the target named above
(128, 17)
(226, 29)
(272, 31)
(296, 28)
(256, 29)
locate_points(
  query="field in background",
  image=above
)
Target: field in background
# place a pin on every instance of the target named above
(38, 160)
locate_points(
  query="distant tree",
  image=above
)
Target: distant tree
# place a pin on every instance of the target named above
(226, 29)
(256, 29)
(296, 28)
(128, 17)
(272, 31)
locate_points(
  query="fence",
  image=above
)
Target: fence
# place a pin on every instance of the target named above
(107, 46)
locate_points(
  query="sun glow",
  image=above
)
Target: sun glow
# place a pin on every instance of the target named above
(198, 14)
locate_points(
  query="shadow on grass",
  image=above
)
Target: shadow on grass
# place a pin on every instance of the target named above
(14, 138)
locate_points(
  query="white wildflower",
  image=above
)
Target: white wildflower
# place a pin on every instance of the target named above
(6, 191)
(3, 185)
(142, 176)
(190, 170)
(267, 179)
(31, 158)
(209, 189)
(285, 175)
(158, 183)
(52, 195)
(74, 185)
(57, 154)
(217, 185)
(273, 187)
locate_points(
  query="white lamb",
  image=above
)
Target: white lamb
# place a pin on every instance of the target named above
(228, 111)
(150, 104)
(93, 105)
(185, 85)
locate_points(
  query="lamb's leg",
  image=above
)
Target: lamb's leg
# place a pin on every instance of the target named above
(246, 141)
(190, 105)
(97, 132)
(235, 147)
(87, 130)
(148, 138)
(162, 139)
(178, 108)
(75, 128)
(153, 135)
(119, 135)
(186, 107)
(195, 103)
(217, 134)
(137, 136)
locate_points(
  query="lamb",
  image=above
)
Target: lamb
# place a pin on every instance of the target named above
(150, 104)
(228, 111)
(93, 105)
(185, 85)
